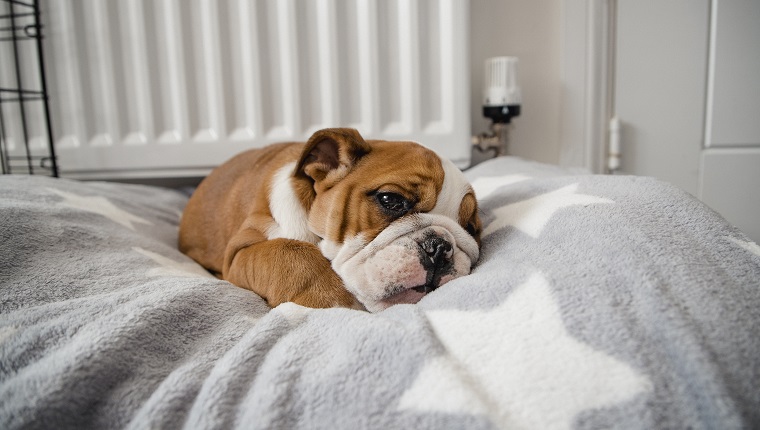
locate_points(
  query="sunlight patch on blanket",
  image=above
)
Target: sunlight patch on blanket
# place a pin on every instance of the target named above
(101, 206)
(521, 360)
(531, 216)
(168, 267)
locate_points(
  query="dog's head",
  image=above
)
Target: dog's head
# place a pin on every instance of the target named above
(396, 220)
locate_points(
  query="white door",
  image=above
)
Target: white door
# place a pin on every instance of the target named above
(730, 169)
(688, 97)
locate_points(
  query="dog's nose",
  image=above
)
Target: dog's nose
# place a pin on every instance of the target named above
(438, 249)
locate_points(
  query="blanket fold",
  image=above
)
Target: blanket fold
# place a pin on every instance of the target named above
(598, 302)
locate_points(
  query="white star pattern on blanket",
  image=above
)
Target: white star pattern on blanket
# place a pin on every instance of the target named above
(484, 186)
(6, 332)
(749, 246)
(100, 206)
(530, 216)
(518, 365)
(169, 267)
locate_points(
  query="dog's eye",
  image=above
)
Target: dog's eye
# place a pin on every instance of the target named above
(394, 204)
(471, 229)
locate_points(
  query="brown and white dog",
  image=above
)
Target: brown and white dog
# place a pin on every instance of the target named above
(335, 220)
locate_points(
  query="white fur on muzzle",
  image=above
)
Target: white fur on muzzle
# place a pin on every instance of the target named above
(386, 270)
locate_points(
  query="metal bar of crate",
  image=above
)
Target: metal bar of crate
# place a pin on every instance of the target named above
(43, 83)
(20, 85)
(17, 32)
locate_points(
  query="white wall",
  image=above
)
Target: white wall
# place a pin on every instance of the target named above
(531, 31)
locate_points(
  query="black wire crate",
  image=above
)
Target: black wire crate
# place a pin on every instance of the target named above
(26, 135)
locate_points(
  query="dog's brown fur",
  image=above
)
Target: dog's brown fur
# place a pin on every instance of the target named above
(224, 226)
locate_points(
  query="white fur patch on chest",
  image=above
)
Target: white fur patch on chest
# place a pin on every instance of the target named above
(291, 219)
(455, 187)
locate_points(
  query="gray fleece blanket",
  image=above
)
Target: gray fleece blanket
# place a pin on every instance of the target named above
(598, 302)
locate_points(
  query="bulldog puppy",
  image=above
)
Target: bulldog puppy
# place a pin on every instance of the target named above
(338, 221)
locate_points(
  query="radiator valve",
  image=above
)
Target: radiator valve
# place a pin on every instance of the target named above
(501, 103)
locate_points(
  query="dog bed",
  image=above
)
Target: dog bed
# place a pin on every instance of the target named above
(598, 302)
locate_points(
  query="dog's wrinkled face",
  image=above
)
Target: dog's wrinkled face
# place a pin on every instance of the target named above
(396, 220)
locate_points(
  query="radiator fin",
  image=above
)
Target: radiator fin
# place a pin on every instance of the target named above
(166, 87)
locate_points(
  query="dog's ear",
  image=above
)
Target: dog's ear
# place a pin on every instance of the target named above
(330, 154)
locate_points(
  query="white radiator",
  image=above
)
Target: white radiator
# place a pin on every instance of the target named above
(161, 88)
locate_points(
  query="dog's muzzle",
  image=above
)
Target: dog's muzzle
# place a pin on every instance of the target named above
(410, 258)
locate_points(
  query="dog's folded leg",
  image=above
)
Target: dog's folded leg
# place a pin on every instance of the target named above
(284, 270)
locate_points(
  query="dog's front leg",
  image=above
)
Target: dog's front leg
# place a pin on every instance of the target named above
(284, 270)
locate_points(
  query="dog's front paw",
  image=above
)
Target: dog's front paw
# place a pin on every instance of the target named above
(325, 290)
(287, 270)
